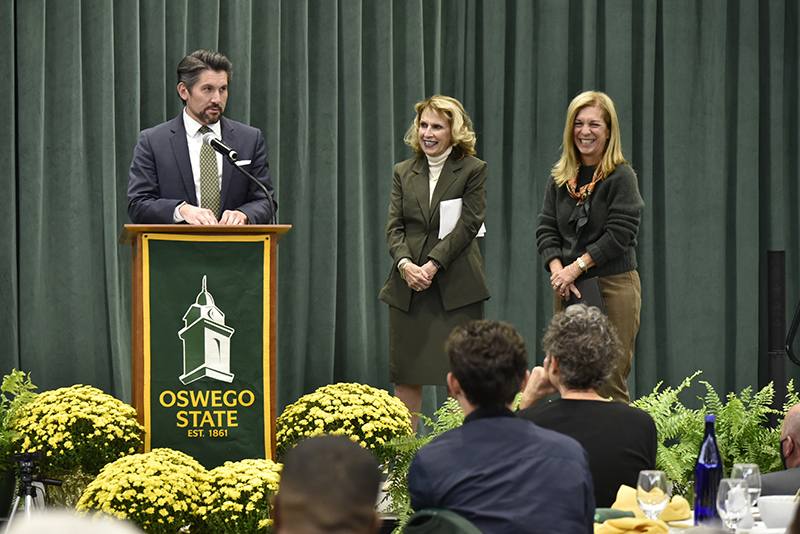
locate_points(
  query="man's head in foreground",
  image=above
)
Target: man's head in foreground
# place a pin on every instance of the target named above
(329, 484)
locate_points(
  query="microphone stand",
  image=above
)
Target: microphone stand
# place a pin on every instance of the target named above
(232, 161)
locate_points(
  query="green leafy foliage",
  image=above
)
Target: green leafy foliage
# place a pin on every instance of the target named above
(449, 416)
(679, 429)
(743, 436)
(792, 397)
(741, 430)
(16, 391)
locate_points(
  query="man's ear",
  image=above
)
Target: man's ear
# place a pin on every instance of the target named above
(554, 367)
(453, 385)
(788, 449)
(183, 91)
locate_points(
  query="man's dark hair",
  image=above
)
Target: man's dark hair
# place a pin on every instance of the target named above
(489, 360)
(328, 484)
(191, 66)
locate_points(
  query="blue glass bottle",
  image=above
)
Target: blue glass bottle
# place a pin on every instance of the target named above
(707, 474)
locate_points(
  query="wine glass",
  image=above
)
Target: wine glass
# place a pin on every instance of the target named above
(751, 474)
(733, 501)
(651, 492)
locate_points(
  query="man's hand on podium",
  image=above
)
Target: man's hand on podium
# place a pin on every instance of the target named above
(194, 215)
(233, 217)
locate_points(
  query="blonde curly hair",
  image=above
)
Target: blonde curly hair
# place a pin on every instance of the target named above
(451, 109)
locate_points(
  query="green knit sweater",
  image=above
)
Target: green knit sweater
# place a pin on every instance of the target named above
(609, 237)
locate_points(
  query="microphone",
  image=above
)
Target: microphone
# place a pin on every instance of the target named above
(216, 143)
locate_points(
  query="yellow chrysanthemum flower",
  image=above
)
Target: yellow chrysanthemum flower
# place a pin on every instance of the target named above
(370, 415)
(71, 426)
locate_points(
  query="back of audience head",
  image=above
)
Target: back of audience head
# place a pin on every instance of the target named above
(790, 438)
(489, 360)
(585, 344)
(329, 484)
(67, 522)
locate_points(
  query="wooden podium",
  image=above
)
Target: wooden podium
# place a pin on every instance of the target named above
(203, 338)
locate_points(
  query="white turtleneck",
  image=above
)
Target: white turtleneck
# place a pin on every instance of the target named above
(435, 165)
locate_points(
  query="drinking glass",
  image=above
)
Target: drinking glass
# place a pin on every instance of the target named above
(751, 475)
(651, 492)
(733, 501)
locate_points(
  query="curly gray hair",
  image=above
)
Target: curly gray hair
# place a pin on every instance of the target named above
(585, 344)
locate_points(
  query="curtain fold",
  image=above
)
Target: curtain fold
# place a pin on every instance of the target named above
(9, 272)
(706, 92)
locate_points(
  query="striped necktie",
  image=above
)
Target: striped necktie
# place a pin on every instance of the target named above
(209, 177)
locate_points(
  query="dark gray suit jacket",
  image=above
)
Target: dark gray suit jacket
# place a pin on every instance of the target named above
(161, 174)
(785, 482)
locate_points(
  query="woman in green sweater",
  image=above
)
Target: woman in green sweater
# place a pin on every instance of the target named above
(589, 222)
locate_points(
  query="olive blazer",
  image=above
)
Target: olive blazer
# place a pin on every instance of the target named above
(412, 230)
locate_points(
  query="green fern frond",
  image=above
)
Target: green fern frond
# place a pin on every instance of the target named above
(663, 406)
(792, 396)
(712, 401)
(764, 397)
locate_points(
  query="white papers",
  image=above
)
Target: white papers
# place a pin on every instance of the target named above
(449, 212)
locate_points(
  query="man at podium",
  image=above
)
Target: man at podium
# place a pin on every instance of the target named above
(177, 177)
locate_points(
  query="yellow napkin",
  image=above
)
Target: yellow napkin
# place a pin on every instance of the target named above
(626, 525)
(677, 510)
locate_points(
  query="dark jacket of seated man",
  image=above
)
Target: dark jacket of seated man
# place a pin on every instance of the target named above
(502, 473)
(786, 482)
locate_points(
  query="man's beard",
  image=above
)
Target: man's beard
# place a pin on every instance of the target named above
(207, 117)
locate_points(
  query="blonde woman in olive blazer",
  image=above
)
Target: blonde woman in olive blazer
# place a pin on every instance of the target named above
(434, 284)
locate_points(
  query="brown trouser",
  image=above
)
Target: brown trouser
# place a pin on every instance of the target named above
(622, 295)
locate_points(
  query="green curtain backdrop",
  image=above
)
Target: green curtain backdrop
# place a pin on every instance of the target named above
(707, 93)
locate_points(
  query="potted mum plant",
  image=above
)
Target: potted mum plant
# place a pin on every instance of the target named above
(367, 415)
(237, 497)
(160, 491)
(79, 430)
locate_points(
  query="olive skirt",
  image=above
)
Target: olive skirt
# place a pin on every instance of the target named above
(417, 337)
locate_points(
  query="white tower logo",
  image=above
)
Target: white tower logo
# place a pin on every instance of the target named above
(206, 341)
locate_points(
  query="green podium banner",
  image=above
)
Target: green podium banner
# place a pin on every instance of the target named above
(206, 345)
